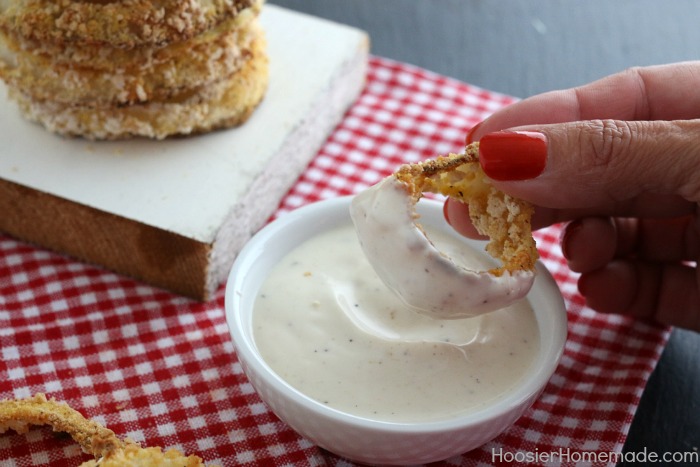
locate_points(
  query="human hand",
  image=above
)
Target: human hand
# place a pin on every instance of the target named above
(620, 158)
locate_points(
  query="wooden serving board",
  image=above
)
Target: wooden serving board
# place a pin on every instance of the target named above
(175, 213)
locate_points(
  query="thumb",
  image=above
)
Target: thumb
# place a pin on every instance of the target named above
(595, 163)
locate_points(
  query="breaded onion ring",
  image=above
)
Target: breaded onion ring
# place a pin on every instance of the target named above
(411, 266)
(93, 438)
(103, 57)
(226, 103)
(123, 23)
(149, 75)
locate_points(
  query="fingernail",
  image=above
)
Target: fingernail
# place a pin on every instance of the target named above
(470, 134)
(513, 155)
(567, 233)
(583, 286)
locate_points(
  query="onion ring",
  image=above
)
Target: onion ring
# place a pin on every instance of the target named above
(400, 252)
(93, 438)
(149, 75)
(224, 104)
(123, 24)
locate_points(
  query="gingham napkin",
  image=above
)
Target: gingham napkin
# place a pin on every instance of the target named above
(161, 369)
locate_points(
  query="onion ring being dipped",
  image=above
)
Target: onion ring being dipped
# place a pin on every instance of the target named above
(411, 266)
(93, 438)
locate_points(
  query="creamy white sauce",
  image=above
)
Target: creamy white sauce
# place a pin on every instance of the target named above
(419, 273)
(327, 324)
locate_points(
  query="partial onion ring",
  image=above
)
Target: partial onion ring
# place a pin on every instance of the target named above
(93, 438)
(411, 266)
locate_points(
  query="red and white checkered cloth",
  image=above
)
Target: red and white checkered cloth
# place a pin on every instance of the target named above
(161, 369)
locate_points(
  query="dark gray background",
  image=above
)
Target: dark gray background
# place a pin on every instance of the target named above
(523, 48)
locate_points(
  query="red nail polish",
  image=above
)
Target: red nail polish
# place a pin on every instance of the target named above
(567, 233)
(470, 134)
(513, 155)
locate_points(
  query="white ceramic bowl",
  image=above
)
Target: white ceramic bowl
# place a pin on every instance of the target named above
(353, 437)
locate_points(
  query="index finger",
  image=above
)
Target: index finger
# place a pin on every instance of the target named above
(662, 92)
(649, 206)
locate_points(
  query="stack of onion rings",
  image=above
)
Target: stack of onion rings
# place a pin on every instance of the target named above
(111, 70)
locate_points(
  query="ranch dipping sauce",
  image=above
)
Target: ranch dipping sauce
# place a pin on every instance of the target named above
(326, 324)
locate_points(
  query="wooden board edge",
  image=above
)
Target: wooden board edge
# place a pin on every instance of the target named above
(149, 254)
